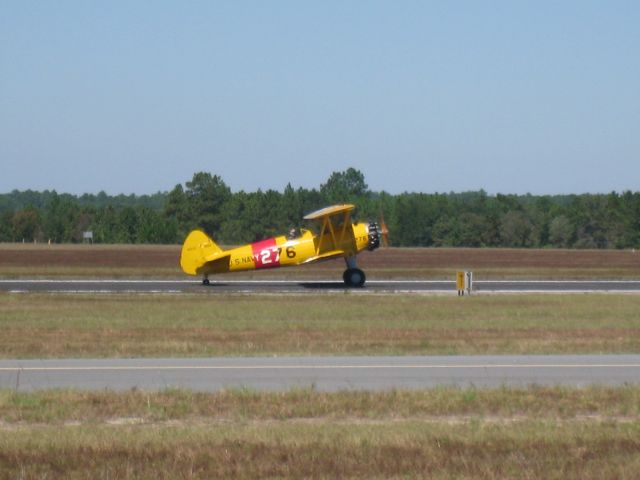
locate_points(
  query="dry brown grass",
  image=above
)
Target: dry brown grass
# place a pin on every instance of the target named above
(18, 260)
(411, 450)
(448, 433)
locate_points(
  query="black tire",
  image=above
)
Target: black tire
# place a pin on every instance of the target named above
(205, 281)
(354, 277)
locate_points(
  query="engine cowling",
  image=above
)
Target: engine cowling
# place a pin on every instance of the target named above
(374, 236)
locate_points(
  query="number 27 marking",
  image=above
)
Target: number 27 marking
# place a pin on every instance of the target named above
(266, 255)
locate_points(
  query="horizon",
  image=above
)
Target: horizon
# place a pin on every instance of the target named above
(378, 192)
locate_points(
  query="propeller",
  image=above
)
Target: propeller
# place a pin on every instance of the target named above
(384, 231)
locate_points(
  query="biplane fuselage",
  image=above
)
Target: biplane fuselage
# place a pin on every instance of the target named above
(337, 237)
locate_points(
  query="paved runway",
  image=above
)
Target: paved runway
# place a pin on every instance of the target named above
(322, 373)
(275, 286)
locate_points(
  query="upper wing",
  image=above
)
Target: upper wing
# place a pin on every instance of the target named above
(329, 211)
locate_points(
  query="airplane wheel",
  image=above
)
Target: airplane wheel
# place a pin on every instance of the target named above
(354, 277)
(205, 281)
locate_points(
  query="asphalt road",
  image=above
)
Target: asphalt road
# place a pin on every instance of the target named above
(322, 373)
(275, 286)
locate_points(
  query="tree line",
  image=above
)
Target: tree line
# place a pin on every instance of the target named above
(470, 219)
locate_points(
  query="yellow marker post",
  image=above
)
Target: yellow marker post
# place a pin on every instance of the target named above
(460, 277)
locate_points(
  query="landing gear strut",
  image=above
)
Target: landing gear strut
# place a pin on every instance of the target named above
(353, 276)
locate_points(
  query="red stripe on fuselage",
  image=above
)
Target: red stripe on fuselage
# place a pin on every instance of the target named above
(266, 253)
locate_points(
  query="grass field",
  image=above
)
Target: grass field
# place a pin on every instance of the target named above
(71, 325)
(444, 433)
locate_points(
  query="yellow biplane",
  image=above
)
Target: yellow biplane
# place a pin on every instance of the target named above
(337, 237)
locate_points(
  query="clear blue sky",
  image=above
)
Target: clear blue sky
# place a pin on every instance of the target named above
(136, 96)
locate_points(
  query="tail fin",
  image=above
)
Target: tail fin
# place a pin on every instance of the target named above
(197, 250)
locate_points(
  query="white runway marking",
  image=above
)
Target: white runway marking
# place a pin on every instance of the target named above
(308, 367)
(240, 286)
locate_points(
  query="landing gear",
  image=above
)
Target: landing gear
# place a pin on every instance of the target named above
(205, 280)
(353, 276)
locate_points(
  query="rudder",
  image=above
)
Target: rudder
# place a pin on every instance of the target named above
(197, 249)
